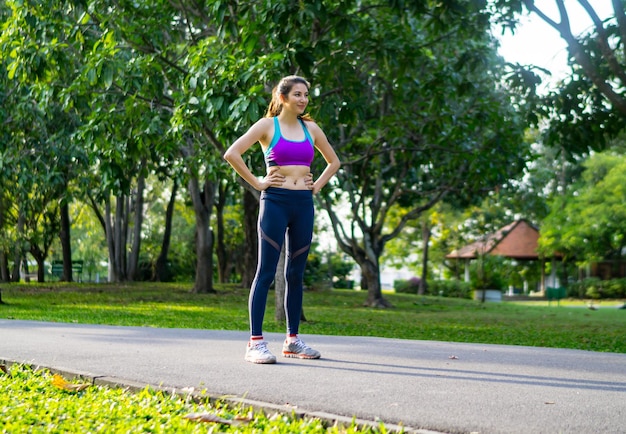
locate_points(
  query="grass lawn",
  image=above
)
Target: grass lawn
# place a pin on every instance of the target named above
(35, 402)
(568, 324)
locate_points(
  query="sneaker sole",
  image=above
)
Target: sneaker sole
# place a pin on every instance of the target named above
(299, 356)
(261, 362)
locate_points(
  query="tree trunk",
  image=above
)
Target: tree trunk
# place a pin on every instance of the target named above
(65, 239)
(481, 277)
(426, 233)
(161, 269)
(371, 273)
(4, 268)
(18, 253)
(133, 260)
(41, 277)
(223, 262)
(250, 215)
(113, 275)
(203, 204)
(123, 220)
(279, 288)
(40, 258)
(4, 260)
(119, 242)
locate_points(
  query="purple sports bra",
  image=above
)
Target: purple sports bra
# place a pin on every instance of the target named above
(283, 152)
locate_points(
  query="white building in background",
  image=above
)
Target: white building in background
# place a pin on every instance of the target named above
(387, 276)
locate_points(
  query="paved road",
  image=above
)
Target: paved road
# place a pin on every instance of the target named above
(422, 385)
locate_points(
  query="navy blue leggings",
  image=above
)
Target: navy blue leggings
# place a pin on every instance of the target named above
(282, 212)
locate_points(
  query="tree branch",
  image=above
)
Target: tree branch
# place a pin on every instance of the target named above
(577, 51)
(603, 42)
(618, 8)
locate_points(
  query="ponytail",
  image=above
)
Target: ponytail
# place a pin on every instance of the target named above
(275, 106)
(283, 88)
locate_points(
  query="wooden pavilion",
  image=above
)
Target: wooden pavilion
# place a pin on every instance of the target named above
(517, 240)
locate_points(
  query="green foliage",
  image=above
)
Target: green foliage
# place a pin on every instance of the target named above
(409, 94)
(413, 116)
(31, 403)
(594, 288)
(341, 268)
(583, 114)
(486, 272)
(586, 109)
(449, 288)
(406, 286)
(327, 271)
(588, 223)
(316, 274)
(442, 288)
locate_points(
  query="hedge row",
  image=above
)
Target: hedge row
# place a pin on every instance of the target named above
(595, 288)
(443, 288)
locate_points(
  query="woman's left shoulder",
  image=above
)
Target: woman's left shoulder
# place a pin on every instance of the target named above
(312, 125)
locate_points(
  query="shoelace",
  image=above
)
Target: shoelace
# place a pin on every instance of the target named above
(300, 345)
(262, 348)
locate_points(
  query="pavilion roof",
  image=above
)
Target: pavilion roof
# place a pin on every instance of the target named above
(517, 240)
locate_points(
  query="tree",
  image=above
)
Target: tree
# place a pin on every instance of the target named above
(154, 89)
(589, 108)
(47, 161)
(419, 119)
(405, 90)
(192, 54)
(588, 223)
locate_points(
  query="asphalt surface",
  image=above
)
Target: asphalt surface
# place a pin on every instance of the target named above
(424, 386)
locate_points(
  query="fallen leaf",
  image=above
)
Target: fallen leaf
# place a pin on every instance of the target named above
(4, 369)
(246, 419)
(207, 417)
(61, 383)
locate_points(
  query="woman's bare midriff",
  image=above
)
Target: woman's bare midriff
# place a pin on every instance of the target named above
(295, 177)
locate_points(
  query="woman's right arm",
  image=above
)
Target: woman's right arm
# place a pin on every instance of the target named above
(233, 155)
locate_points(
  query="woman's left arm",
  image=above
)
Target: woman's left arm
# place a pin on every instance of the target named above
(332, 160)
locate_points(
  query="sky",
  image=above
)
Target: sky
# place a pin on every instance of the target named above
(536, 42)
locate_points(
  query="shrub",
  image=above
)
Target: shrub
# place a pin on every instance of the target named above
(444, 288)
(595, 288)
(488, 272)
(409, 286)
(450, 288)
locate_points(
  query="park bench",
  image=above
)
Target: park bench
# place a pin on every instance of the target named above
(77, 269)
(556, 294)
(30, 276)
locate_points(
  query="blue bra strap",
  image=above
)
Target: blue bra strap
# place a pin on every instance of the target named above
(306, 132)
(276, 137)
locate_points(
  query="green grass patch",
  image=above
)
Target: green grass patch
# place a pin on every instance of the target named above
(336, 312)
(30, 402)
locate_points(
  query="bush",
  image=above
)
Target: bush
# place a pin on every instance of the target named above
(444, 288)
(488, 272)
(450, 288)
(595, 288)
(409, 286)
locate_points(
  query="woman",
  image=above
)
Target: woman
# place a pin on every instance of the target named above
(288, 138)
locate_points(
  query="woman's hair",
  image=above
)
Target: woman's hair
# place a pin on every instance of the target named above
(283, 88)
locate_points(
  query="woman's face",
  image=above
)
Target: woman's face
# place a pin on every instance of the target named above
(297, 99)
